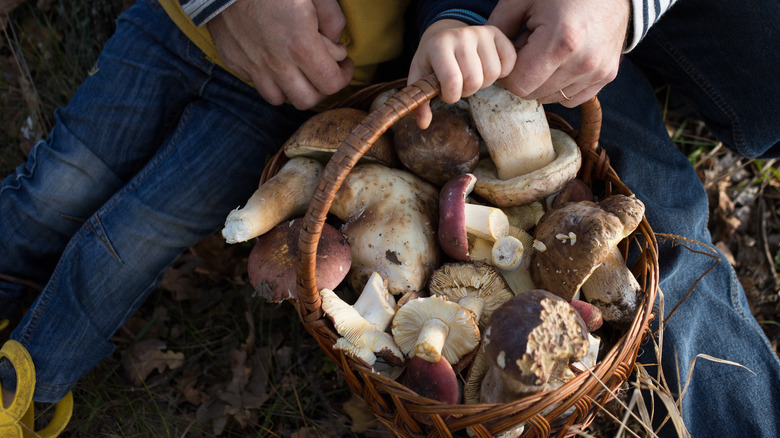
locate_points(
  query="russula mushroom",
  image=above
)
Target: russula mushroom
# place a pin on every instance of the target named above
(477, 286)
(272, 261)
(448, 147)
(573, 240)
(320, 135)
(360, 338)
(590, 314)
(458, 218)
(283, 196)
(529, 340)
(434, 380)
(390, 218)
(507, 253)
(375, 302)
(432, 327)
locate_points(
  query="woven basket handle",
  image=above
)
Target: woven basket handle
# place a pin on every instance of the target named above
(346, 156)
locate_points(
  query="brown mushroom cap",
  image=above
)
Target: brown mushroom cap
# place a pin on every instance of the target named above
(477, 286)
(272, 261)
(574, 239)
(448, 147)
(320, 136)
(534, 335)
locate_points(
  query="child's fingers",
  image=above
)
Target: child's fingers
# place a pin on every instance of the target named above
(423, 115)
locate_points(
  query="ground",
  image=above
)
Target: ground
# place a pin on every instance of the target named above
(203, 356)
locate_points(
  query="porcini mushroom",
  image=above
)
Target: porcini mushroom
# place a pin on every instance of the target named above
(528, 160)
(432, 327)
(477, 286)
(390, 218)
(448, 147)
(574, 239)
(360, 338)
(271, 263)
(614, 290)
(283, 196)
(320, 135)
(530, 339)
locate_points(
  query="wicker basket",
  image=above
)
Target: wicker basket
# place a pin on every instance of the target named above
(561, 412)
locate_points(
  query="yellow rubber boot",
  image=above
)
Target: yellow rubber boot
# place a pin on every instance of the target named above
(17, 419)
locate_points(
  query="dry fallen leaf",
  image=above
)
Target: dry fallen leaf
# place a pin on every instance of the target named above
(148, 355)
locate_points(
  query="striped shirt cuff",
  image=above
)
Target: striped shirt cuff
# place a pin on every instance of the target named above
(464, 15)
(201, 11)
(644, 13)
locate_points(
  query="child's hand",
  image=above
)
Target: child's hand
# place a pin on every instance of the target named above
(464, 58)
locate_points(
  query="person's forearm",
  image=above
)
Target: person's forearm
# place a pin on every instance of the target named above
(644, 13)
(201, 11)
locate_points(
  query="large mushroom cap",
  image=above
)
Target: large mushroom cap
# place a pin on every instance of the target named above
(320, 136)
(272, 261)
(448, 147)
(533, 335)
(574, 239)
(477, 286)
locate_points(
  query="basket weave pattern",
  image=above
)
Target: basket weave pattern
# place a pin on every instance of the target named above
(545, 414)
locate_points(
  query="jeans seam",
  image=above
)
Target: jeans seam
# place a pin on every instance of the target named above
(709, 90)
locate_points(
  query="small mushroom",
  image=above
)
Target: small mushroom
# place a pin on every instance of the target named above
(530, 339)
(272, 261)
(574, 239)
(477, 286)
(458, 218)
(283, 196)
(390, 218)
(432, 327)
(360, 338)
(320, 136)
(448, 147)
(519, 276)
(528, 160)
(589, 313)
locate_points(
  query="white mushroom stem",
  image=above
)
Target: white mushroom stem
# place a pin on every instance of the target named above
(519, 278)
(473, 304)
(481, 250)
(507, 253)
(360, 338)
(514, 130)
(430, 341)
(613, 288)
(375, 303)
(283, 196)
(485, 222)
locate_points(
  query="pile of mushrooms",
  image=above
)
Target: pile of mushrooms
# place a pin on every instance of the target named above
(467, 245)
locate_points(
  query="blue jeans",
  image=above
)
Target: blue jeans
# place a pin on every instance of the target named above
(151, 154)
(724, 61)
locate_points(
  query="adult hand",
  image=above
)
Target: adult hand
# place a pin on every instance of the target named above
(569, 50)
(288, 50)
(464, 58)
